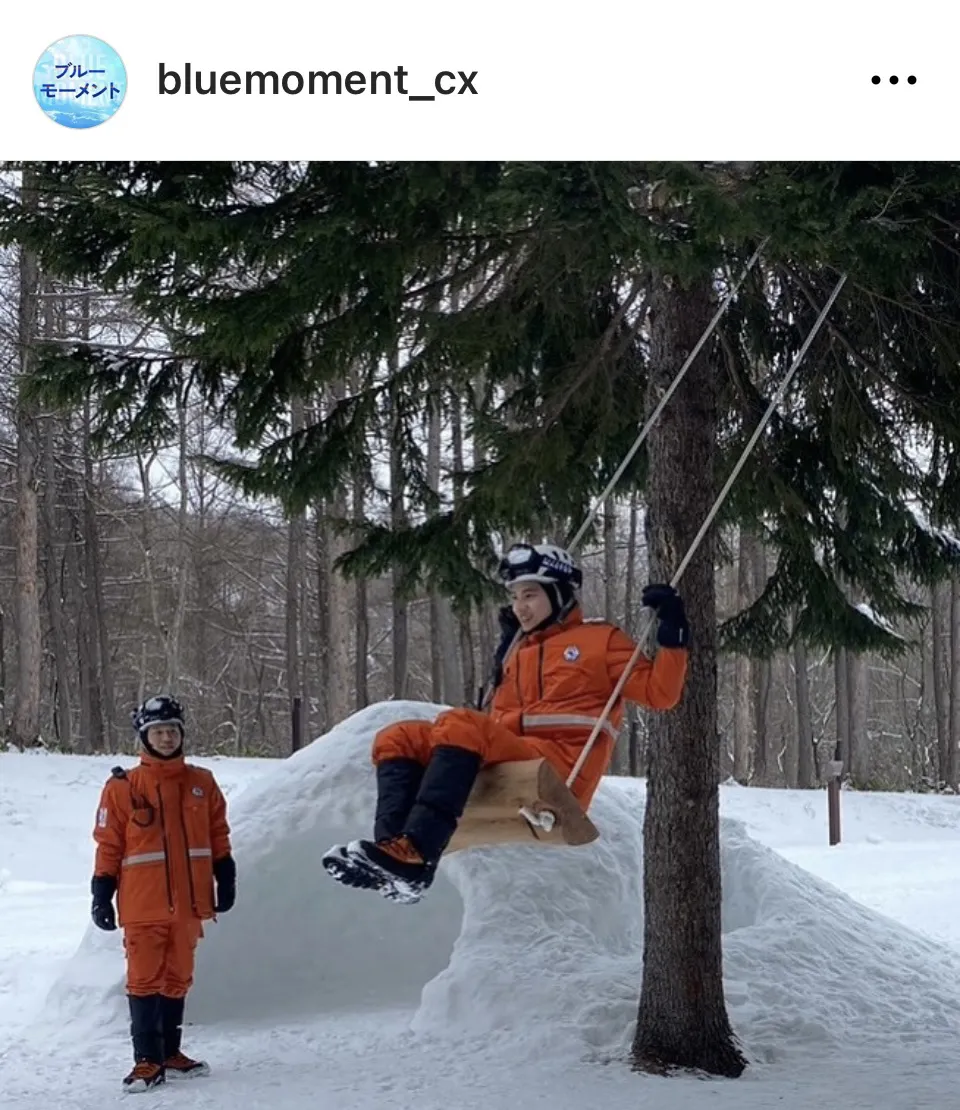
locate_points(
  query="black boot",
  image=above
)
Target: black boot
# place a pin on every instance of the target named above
(146, 1032)
(441, 800)
(177, 1064)
(398, 781)
(403, 867)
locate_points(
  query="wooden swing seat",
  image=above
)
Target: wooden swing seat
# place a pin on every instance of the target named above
(492, 815)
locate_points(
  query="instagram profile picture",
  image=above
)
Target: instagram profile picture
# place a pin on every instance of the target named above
(80, 81)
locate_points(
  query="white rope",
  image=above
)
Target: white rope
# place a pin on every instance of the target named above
(655, 415)
(698, 539)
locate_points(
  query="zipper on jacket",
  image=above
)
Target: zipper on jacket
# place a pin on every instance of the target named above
(166, 850)
(186, 852)
(540, 670)
(519, 689)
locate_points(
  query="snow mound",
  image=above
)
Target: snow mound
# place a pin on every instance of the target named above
(553, 951)
(807, 966)
(537, 947)
(548, 935)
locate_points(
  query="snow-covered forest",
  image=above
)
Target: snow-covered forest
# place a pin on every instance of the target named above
(134, 561)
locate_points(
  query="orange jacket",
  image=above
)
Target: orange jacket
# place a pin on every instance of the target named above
(557, 682)
(159, 829)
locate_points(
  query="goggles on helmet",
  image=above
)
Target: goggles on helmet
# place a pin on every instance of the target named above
(526, 562)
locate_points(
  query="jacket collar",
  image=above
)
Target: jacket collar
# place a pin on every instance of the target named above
(163, 768)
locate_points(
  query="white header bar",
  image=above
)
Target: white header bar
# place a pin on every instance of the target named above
(524, 79)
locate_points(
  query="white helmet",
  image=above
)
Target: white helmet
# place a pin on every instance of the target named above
(540, 562)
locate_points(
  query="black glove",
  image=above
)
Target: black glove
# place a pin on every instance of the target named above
(103, 888)
(225, 872)
(672, 630)
(509, 627)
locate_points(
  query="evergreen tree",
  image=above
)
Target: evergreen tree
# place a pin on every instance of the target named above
(277, 279)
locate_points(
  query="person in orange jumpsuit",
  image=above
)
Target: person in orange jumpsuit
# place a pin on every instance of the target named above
(163, 841)
(549, 693)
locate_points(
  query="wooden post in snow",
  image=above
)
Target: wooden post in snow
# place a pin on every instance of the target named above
(297, 723)
(834, 773)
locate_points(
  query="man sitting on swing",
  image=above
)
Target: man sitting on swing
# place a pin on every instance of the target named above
(550, 692)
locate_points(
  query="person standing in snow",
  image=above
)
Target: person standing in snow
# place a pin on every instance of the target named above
(162, 843)
(550, 692)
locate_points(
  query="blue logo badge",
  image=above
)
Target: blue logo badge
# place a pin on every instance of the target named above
(80, 81)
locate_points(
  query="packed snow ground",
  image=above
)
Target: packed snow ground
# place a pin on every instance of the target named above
(515, 981)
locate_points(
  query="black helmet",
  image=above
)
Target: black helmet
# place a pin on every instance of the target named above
(158, 710)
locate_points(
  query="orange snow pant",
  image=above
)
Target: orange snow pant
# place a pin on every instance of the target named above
(160, 958)
(477, 732)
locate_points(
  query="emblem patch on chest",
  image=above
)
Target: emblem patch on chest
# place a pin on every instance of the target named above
(197, 791)
(571, 654)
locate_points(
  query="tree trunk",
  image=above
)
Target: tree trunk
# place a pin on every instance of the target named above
(927, 749)
(362, 617)
(631, 717)
(486, 637)
(336, 516)
(52, 563)
(467, 659)
(94, 616)
(762, 681)
(106, 733)
(806, 754)
(445, 681)
(174, 675)
(630, 571)
(952, 768)
(340, 616)
(620, 762)
(743, 671)
(203, 583)
(682, 1018)
(301, 727)
(433, 481)
(399, 606)
(3, 661)
(610, 560)
(74, 575)
(452, 679)
(858, 677)
(25, 726)
(939, 607)
(327, 696)
(762, 677)
(842, 712)
(488, 632)
(295, 563)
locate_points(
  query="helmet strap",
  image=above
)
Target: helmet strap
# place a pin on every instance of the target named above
(559, 609)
